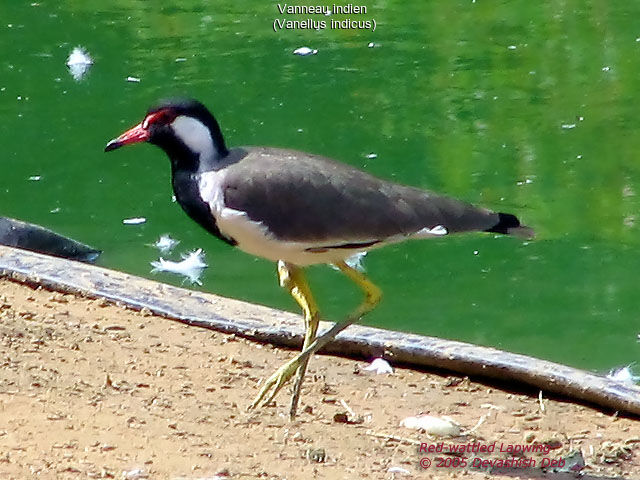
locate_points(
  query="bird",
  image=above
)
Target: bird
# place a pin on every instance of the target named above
(297, 209)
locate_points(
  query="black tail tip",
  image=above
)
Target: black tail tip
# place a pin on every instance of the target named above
(510, 225)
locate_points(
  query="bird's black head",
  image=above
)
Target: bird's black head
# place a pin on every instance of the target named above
(184, 129)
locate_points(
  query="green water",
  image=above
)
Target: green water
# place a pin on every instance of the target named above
(521, 106)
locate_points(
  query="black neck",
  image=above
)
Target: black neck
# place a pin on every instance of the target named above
(185, 188)
(181, 156)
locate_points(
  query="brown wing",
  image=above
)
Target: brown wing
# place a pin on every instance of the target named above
(302, 197)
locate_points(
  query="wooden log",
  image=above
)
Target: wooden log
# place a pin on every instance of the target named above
(285, 329)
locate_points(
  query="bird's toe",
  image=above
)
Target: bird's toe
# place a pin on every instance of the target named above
(275, 383)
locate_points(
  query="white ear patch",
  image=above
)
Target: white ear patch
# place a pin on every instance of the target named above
(194, 134)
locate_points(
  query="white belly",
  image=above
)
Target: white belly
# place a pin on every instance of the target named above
(254, 238)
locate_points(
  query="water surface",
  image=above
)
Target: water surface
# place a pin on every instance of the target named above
(519, 106)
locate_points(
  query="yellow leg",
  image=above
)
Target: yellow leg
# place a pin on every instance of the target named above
(292, 278)
(372, 293)
(373, 296)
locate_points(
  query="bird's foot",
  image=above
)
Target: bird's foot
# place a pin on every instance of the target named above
(275, 383)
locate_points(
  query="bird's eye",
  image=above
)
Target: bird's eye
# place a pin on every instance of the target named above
(161, 117)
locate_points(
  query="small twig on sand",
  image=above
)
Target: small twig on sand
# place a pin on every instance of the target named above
(540, 401)
(394, 437)
(477, 425)
(344, 404)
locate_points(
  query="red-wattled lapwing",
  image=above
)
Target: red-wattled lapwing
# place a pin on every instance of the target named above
(297, 209)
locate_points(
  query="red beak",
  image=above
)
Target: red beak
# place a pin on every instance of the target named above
(136, 134)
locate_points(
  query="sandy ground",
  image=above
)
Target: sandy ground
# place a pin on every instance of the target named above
(92, 390)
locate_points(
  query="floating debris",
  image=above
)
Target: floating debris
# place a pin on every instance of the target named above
(439, 426)
(304, 51)
(191, 266)
(79, 63)
(134, 220)
(380, 366)
(15, 233)
(133, 79)
(165, 243)
(623, 375)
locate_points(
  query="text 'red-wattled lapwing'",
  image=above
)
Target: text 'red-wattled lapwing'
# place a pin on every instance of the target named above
(297, 209)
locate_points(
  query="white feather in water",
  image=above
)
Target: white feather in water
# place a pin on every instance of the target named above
(304, 51)
(79, 63)
(355, 261)
(134, 221)
(623, 375)
(165, 243)
(190, 267)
